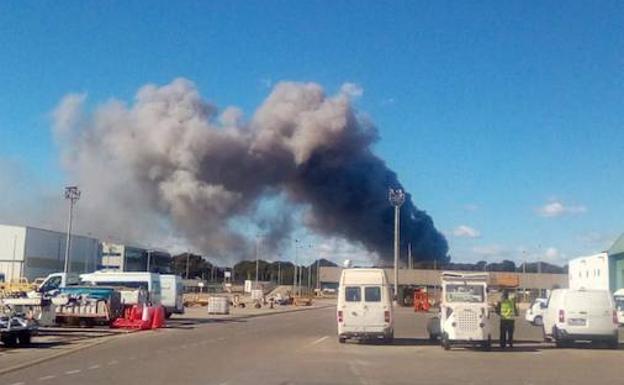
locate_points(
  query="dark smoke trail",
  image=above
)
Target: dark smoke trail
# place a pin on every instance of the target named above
(168, 161)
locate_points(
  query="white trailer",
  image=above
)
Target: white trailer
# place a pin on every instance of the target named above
(29, 252)
(589, 273)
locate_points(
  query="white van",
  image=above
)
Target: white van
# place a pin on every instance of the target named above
(134, 280)
(171, 294)
(364, 308)
(581, 315)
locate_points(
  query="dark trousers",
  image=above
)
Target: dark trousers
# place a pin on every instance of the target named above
(506, 332)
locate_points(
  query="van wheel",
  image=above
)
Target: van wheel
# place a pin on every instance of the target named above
(9, 340)
(342, 340)
(444, 342)
(24, 338)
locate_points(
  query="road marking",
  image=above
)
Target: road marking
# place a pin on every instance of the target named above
(318, 341)
(45, 378)
(93, 367)
(69, 372)
(18, 383)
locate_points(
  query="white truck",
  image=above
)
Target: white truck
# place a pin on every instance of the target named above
(172, 294)
(464, 312)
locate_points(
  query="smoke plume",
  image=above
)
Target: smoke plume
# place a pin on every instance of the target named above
(171, 162)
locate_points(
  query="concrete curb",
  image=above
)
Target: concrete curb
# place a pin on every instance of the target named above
(105, 339)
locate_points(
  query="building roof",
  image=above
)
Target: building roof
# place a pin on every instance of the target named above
(617, 247)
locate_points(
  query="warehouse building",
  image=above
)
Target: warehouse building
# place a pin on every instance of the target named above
(330, 276)
(616, 264)
(133, 258)
(31, 252)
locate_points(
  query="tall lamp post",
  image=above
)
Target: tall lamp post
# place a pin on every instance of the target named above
(72, 193)
(396, 197)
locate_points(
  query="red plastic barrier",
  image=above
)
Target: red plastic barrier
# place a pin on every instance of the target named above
(158, 320)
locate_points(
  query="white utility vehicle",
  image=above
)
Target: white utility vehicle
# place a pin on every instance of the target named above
(149, 282)
(618, 297)
(464, 313)
(581, 315)
(535, 312)
(171, 297)
(364, 308)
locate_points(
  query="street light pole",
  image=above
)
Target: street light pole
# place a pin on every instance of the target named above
(257, 255)
(397, 198)
(72, 193)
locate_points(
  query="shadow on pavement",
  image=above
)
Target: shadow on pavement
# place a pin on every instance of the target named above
(189, 323)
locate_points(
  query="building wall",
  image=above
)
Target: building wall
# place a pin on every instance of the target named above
(12, 240)
(616, 272)
(44, 253)
(591, 272)
(541, 281)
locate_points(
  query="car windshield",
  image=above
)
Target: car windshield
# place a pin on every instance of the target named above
(464, 293)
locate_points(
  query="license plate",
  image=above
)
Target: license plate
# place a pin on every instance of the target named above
(576, 322)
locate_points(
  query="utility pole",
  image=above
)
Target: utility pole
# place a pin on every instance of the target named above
(257, 255)
(397, 198)
(188, 260)
(72, 193)
(318, 274)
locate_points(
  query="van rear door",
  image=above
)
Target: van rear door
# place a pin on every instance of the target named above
(589, 312)
(364, 307)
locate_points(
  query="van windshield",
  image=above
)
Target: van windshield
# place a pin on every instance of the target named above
(464, 293)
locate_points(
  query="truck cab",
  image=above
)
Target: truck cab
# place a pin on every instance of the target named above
(57, 281)
(464, 312)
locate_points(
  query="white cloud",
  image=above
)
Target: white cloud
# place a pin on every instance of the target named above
(556, 208)
(464, 231)
(352, 90)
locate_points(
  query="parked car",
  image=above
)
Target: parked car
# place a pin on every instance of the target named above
(581, 315)
(364, 308)
(535, 312)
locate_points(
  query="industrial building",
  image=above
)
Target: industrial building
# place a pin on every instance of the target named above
(133, 258)
(31, 252)
(616, 264)
(591, 272)
(601, 271)
(537, 282)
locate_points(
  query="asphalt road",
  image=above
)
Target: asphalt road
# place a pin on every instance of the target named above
(302, 348)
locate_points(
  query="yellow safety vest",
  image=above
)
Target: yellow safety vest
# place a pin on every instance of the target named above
(507, 310)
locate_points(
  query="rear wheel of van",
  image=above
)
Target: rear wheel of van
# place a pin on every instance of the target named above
(342, 340)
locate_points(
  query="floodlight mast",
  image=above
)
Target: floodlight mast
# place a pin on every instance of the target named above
(72, 193)
(397, 198)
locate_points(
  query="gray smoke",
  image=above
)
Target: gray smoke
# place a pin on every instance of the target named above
(170, 162)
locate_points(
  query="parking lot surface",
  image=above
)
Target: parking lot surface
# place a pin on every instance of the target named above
(302, 348)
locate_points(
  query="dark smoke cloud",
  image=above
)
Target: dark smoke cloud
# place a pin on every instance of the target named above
(170, 162)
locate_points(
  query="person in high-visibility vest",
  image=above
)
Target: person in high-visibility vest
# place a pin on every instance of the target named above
(507, 310)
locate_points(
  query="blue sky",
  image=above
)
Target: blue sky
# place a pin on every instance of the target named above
(488, 112)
